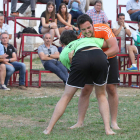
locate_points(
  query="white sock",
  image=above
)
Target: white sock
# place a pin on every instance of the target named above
(134, 65)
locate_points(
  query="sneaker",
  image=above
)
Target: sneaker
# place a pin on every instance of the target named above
(33, 15)
(4, 87)
(132, 68)
(15, 14)
(22, 87)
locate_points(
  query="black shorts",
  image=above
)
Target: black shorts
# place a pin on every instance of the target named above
(113, 77)
(138, 49)
(88, 67)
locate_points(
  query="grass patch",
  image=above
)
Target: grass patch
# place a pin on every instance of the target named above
(25, 118)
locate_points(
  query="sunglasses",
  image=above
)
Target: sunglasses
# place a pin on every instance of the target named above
(49, 51)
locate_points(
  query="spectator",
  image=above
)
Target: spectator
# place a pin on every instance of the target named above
(22, 8)
(91, 2)
(11, 62)
(33, 3)
(121, 29)
(2, 68)
(49, 55)
(96, 14)
(77, 8)
(134, 49)
(4, 27)
(58, 2)
(25, 5)
(48, 21)
(64, 19)
(133, 9)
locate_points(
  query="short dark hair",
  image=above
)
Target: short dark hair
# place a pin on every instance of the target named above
(82, 19)
(98, 1)
(67, 36)
(121, 14)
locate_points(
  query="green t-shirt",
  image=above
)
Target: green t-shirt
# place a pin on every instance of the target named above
(76, 45)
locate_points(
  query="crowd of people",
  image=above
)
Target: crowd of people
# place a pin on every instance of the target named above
(98, 68)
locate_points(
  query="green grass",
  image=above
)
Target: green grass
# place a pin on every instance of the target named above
(23, 118)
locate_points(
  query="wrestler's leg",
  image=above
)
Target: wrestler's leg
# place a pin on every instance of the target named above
(113, 104)
(104, 108)
(83, 105)
(60, 107)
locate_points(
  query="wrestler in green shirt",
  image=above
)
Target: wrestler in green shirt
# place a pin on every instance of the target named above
(77, 45)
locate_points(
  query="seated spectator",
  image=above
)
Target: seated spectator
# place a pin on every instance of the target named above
(133, 9)
(58, 2)
(49, 55)
(77, 8)
(2, 68)
(134, 49)
(33, 3)
(25, 5)
(48, 21)
(96, 14)
(64, 19)
(11, 62)
(91, 2)
(4, 27)
(121, 29)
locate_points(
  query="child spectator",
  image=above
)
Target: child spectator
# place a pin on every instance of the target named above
(48, 21)
(77, 8)
(64, 19)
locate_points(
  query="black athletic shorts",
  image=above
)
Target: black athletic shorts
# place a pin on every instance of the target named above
(90, 66)
(138, 49)
(113, 77)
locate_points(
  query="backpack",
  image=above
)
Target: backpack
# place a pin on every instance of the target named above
(27, 30)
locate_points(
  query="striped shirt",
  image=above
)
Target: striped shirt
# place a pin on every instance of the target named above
(97, 18)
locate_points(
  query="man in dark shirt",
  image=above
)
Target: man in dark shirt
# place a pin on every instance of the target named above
(12, 65)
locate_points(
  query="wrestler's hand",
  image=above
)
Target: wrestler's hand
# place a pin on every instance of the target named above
(71, 55)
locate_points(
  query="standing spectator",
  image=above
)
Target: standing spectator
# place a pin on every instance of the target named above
(49, 55)
(48, 21)
(4, 27)
(25, 5)
(96, 14)
(2, 68)
(33, 3)
(58, 2)
(22, 8)
(77, 8)
(133, 9)
(91, 2)
(134, 49)
(121, 29)
(64, 19)
(11, 62)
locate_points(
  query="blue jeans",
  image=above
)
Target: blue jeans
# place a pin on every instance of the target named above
(75, 15)
(58, 2)
(135, 16)
(57, 68)
(39, 29)
(16, 66)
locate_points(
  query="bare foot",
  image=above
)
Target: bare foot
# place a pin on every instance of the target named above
(77, 125)
(115, 126)
(46, 132)
(110, 132)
